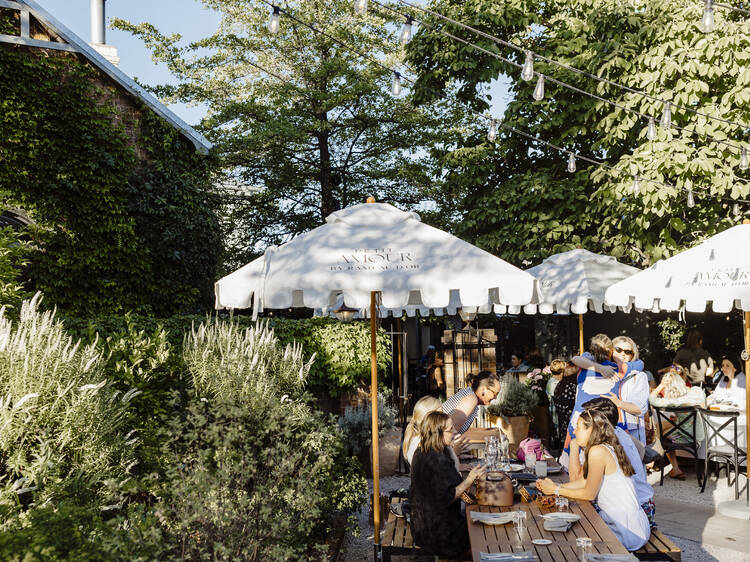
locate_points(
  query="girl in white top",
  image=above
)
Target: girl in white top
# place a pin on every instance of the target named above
(412, 438)
(731, 387)
(606, 479)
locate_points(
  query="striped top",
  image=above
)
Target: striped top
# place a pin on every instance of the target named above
(452, 403)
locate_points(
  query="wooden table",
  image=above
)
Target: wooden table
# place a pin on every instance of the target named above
(504, 538)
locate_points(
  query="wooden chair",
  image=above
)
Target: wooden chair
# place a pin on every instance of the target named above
(719, 447)
(680, 435)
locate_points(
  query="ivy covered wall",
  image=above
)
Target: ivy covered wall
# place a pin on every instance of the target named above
(124, 219)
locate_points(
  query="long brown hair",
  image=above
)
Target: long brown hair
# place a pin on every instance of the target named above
(431, 431)
(603, 433)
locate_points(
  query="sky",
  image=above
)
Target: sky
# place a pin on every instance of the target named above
(187, 17)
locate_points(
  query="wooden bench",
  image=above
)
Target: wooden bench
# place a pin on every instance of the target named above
(659, 547)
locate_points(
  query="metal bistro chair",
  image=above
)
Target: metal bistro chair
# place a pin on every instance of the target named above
(723, 448)
(680, 436)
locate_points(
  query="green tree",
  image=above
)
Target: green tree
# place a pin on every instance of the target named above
(303, 125)
(515, 198)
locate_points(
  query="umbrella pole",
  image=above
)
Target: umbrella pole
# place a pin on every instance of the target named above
(747, 392)
(580, 334)
(374, 400)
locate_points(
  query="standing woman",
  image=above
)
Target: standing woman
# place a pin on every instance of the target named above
(632, 398)
(463, 406)
(564, 397)
(607, 479)
(437, 523)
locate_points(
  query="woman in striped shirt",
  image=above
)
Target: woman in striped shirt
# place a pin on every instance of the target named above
(463, 406)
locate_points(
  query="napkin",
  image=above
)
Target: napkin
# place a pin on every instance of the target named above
(610, 558)
(557, 525)
(509, 556)
(492, 518)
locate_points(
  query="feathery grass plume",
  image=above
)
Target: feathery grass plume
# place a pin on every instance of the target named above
(231, 363)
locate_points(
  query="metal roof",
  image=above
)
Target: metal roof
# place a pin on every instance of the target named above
(74, 43)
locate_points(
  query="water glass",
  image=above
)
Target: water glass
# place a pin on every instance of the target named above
(561, 503)
(541, 469)
(519, 521)
(530, 463)
(583, 548)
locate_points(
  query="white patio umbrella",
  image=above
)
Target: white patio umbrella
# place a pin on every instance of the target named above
(715, 271)
(372, 249)
(574, 282)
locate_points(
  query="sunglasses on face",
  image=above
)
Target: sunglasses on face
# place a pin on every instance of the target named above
(623, 350)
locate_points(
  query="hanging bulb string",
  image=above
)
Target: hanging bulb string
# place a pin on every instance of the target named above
(483, 117)
(550, 61)
(733, 8)
(562, 84)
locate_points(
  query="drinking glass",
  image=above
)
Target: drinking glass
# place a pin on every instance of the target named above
(490, 456)
(583, 547)
(541, 469)
(561, 503)
(530, 463)
(519, 521)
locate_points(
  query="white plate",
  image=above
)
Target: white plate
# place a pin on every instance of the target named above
(564, 515)
(516, 467)
(542, 541)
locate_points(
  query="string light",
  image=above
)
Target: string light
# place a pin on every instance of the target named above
(360, 7)
(396, 84)
(273, 24)
(539, 89)
(708, 17)
(492, 131)
(666, 117)
(651, 133)
(743, 159)
(636, 189)
(528, 67)
(405, 35)
(571, 163)
(533, 138)
(690, 198)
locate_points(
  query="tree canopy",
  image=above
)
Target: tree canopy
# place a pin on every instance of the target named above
(303, 120)
(515, 197)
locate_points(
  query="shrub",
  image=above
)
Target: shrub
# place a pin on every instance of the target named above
(12, 258)
(514, 399)
(356, 424)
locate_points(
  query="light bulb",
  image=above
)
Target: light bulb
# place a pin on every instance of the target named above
(396, 85)
(492, 131)
(743, 158)
(736, 209)
(360, 7)
(666, 117)
(539, 89)
(691, 198)
(273, 24)
(571, 163)
(528, 67)
(651, 133)
(405, 34)
(708, 17)
(636, 185)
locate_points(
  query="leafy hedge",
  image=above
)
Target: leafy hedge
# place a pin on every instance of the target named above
(123, 216)
(342, 351)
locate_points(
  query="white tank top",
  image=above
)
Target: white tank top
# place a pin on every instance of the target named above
(620, 510)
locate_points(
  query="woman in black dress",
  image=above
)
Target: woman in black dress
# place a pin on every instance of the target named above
(564, 398)
(437, 524)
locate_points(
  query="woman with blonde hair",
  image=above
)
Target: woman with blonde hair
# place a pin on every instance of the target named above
(437, 524)
(606, 478)
(631, 396)
(423, 407)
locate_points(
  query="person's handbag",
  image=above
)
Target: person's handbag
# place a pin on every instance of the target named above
(495, 488)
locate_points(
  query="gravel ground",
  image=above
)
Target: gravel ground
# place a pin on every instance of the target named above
(358, 549)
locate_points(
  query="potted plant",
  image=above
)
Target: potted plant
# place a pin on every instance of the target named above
(356, 426)
(512, 409)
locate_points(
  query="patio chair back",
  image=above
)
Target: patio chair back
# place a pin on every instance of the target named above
(720, 430)
(680, 435)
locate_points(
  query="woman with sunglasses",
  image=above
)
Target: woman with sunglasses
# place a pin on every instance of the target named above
(437, 524)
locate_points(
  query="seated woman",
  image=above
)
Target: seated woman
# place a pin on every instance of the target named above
(464, 405)
(437, 524)
(731, 387)
(412, 439)
(674, 391)
(606, 479)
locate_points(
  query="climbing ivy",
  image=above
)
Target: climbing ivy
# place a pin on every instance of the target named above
(119, 199)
